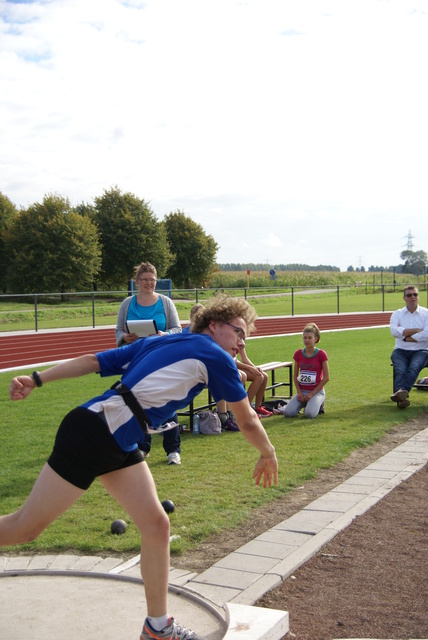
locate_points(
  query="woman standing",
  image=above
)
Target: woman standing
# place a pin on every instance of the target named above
(147, 304)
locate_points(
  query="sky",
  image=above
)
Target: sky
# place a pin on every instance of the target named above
(293, 131)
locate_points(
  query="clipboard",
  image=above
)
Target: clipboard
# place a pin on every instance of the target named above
(142, 328)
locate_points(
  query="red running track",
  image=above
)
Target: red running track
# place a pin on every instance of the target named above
(26, 349)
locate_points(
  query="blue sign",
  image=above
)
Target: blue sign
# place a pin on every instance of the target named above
(272, 272)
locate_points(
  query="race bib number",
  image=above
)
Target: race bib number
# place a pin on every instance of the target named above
(307, 377)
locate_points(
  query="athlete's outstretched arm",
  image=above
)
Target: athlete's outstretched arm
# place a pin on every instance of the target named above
(21, 386)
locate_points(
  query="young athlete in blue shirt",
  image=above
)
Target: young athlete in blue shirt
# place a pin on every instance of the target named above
(100, 438)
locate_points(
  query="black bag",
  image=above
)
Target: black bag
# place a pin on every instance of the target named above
(273, 404)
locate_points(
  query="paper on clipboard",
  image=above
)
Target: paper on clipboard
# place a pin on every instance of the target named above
(142, 328)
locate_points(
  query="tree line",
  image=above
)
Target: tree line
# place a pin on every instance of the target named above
(415, 262)
(232, 266)
(52, 246)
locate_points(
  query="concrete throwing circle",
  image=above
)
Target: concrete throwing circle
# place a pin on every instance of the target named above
(75, 607)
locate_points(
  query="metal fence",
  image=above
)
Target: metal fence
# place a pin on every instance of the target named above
(98, 308)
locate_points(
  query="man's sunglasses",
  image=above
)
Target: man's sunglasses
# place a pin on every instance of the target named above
(412, 295)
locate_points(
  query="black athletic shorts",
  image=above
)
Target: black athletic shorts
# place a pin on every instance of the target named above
(84, 449)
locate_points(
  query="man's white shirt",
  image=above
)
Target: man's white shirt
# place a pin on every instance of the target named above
(403, 319)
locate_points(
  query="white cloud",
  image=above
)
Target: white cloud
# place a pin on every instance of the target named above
(290, 130)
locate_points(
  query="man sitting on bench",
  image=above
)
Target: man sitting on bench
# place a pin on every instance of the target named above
(409, 326)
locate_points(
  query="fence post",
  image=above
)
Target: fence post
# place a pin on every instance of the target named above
(35, 311)
(196, 296)
(93, 310)
(292, 301)
(383, 297)
(338, 298)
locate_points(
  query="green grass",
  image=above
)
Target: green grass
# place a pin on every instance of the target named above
(212, 489)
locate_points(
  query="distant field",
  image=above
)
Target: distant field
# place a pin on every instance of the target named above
(308, 278)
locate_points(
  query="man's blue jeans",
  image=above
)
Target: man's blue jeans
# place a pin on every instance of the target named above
(407, 366)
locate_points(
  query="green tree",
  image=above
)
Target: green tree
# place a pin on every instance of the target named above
(84, 209)
(8, 211)
(51, 248)
(415, 262)
(195, 251)
(130, 234)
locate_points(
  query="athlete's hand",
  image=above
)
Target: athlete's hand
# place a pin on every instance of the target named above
(21, 387)
(266, 468)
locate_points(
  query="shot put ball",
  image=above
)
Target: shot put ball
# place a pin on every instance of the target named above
(118, 527)
(168, 505)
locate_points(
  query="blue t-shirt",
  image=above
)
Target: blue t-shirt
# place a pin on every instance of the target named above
(154, 312)
(164, 374)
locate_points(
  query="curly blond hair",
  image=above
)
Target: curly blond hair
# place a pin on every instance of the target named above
(195, 309)
(223, 308)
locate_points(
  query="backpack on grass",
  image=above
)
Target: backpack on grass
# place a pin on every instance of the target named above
(209, 423)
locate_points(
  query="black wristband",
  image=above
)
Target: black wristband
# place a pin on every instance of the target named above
(405, 338)
(37, 380)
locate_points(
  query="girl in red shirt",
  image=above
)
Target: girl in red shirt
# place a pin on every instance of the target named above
(311, 374)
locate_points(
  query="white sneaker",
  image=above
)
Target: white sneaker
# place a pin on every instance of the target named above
(174, 458)
(279, 409)
(173, 631)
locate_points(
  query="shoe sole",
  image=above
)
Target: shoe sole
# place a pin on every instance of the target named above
(403, 404)
(162, 428)
(399, 396)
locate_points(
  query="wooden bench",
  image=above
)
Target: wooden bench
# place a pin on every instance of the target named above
(271, 367)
